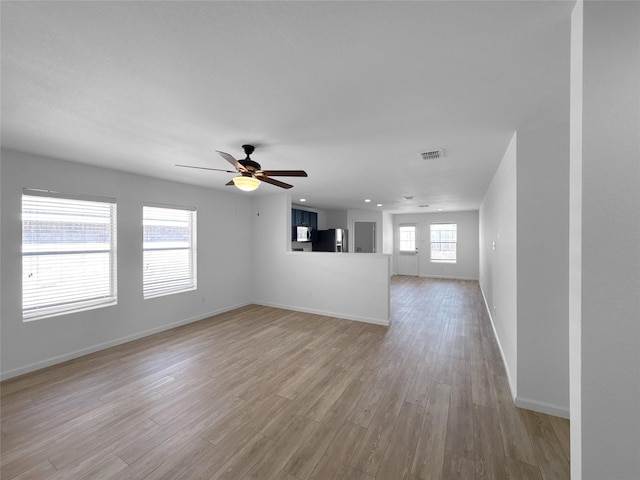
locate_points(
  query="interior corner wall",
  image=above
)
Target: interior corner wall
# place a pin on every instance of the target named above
(498, 259)
(605, 330)
(224, 238)
(543, 266)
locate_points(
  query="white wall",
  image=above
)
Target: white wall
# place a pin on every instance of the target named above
(336, 219)
(498, 259)
(224, 263)
(525, 279)
(467, 266)
(575, 242)
(346, 285)
(543, 266)
(387, 234)
(605, 261)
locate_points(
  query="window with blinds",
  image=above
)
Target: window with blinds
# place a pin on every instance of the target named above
(68, 253)
(444, 241)
(169, 244)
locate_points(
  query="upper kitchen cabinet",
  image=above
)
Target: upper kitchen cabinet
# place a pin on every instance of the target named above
(304, 218)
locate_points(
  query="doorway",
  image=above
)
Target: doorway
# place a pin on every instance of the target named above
(364, 240)
(408, 256)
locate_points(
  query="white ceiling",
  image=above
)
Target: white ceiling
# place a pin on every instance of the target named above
(351, 92)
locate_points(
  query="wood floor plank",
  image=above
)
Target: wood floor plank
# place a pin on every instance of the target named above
(181, 429)
(561, 429)
(457, 467)
(244, 459)
(105, 470)
(38, 472)
(515, 437)
(422, 379)
(430, 450)
(262, 392)
(521, 470)
(366, 408)
(480, 383)
(460, 420)
(312, 450)
(489, 452)
(109, 443)
(182, 459)
(284, 475)
(398, 458)
(378, 435)
(270, 466)
(335, 462)
(443, 369)
(550, 458)
(248, 417)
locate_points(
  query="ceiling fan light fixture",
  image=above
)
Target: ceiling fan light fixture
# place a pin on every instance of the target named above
(246, 184)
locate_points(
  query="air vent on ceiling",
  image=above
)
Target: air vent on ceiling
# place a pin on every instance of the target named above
(423, 205)
(409, 197)
(432, 154)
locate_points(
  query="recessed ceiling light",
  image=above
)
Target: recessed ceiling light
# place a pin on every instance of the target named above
(303, 199)
(378, 205)
(439, 209)
(367, 200)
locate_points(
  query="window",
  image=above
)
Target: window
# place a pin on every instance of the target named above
(68, 253)
(169, 244)
(407, 240)
(443, 242)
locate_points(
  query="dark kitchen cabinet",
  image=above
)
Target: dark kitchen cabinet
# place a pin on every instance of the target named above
(305, 218)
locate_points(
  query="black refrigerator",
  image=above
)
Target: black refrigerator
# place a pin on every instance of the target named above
(332, 240)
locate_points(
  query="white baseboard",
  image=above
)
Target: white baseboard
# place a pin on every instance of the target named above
(522, 402)
(542, 407)
(375, 321)
(513, 388)
(449, 277)
(111, 343)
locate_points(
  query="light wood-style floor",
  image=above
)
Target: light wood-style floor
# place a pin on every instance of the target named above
(262, 393)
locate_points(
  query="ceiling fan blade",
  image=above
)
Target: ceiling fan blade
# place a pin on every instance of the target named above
(272, 181)
(230, 183)
(232, 161)
(284, 173)
(206, 168)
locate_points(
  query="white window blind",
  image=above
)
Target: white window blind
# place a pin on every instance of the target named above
(444, 238)
(169, 244)
(68, 254)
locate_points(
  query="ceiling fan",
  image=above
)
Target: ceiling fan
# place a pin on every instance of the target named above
(251, 173)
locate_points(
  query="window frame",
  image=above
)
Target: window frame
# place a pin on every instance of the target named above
(454, 242)
(54, 298)
(170, 285)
